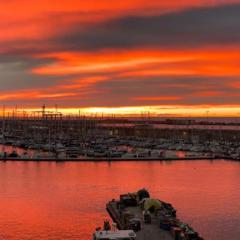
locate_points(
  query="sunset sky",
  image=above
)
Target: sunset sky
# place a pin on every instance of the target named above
(169, 57)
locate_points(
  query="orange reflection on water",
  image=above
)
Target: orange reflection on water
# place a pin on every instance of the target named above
(67, 200)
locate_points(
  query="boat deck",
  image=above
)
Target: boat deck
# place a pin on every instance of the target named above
(148, 231)
(127, 213)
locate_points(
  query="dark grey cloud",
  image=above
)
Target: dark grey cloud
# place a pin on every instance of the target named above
(16, 73)
(212, 25)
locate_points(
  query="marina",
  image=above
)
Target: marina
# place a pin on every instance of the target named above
(11, 153)
(53, 136)
(116, 148)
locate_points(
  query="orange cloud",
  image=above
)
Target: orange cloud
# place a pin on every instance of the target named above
(33, 94)
(209, 93)
(82, 83)
(234, 84)
(145, 62)
(161, 98)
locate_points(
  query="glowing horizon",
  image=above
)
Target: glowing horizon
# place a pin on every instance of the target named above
(134, 111)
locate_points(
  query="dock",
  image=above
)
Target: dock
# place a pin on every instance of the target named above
(128, 213)
(102, 159)
(107, 159)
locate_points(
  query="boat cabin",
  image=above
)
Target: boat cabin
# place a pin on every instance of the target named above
(114, 235)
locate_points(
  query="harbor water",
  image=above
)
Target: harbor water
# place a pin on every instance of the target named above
(66, 200)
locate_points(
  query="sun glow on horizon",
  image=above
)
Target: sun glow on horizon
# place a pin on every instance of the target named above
(131, 111)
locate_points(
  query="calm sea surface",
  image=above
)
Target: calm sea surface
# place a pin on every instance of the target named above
(67, 200)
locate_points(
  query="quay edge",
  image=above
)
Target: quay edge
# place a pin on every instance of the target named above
(107, 159)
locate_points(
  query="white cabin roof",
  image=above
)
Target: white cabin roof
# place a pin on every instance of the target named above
(115, 235)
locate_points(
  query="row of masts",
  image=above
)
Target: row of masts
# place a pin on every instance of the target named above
(54, 113)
